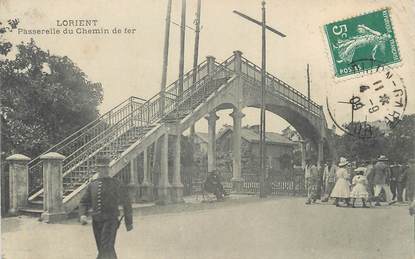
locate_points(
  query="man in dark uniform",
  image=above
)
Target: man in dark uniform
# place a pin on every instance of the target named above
(102, 196)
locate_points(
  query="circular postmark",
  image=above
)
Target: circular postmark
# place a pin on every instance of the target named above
(370, 106)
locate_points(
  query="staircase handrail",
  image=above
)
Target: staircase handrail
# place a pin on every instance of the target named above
(74, 136)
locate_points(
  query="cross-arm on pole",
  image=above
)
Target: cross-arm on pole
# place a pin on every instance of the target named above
(259, 23)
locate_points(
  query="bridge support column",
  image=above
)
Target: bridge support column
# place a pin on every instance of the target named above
(53, 188)
(212, 118)
(164, 186)
(19, 180)
(303, 154)
(133, 185)
(146, 186)
(177, 186)
(320, 154)
(237, 181)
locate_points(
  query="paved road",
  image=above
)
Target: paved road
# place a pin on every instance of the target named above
(274, 228)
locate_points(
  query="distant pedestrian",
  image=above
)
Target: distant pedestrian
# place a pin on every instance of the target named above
(369, 176)
(329, 179)
(381, 180)
(395, 169)
(103, 195)
(359, 190)
(311, 180)
(410, 180)
(341, 190)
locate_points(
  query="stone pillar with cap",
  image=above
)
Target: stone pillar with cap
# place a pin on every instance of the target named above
(146, 186)
(19, 182)
(52, 188)
(237, 181)
(163, 188)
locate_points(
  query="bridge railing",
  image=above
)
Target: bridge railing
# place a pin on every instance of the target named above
(274, 84)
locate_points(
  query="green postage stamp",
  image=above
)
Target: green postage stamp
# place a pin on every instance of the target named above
(357, 43)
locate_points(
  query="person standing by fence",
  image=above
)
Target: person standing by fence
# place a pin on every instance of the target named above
(329, 179)
(311, 181)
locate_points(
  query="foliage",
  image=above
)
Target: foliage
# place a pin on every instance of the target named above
(402, 140)
(398, 145)
(44, 98)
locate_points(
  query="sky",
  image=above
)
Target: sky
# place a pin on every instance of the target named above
(130, 64)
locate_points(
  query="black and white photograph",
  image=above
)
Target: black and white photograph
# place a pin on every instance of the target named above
(207, 129)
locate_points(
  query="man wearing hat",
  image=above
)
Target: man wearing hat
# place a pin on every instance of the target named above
(381, 176)
(329, 179)
(103, 196)
(311, 178)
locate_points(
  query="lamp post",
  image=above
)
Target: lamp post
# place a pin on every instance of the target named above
(262, 151)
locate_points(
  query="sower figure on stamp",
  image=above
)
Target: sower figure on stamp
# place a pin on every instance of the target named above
(103, 196)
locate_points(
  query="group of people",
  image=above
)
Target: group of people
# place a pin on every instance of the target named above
(370, 181)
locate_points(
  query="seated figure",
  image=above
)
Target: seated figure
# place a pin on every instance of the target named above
(213, 185)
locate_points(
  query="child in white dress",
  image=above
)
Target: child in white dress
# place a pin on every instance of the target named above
(359, 190)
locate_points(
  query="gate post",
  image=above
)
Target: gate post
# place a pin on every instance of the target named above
(19, 182)
(53, 188)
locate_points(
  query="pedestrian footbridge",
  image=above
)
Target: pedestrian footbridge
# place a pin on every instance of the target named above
(141, 128)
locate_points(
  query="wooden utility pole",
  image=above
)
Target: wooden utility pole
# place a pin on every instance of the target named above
(262, 144)
(165, 57)
(262, 151)
(308, 85)
(195, 63)
(182, 45)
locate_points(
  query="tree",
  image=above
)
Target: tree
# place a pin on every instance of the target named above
(44, 98)
(402, 140)
(355, 148)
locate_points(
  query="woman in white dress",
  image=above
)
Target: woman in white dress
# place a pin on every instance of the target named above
(341, 189)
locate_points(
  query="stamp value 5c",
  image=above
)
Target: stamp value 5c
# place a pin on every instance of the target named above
(368, 36)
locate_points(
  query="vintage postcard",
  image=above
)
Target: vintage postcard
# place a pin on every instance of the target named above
(207, 129)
